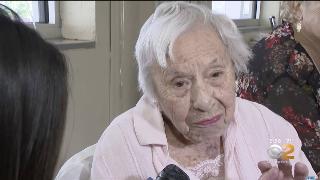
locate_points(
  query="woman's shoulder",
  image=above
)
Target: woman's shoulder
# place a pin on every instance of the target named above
(117, 133)
(244, 105)
(259, 115)
(259, 122)
(119, 151)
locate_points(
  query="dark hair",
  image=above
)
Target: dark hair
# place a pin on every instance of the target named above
(33, 101)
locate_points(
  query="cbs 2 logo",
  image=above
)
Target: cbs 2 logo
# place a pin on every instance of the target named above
(276, 151)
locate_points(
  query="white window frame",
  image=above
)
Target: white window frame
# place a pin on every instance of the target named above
(242, 22)
(51, 30)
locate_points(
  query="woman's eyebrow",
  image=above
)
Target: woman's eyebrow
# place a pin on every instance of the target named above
(175, 73)
(213, 61)
(215, 64)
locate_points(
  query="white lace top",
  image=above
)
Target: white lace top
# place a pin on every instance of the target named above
(208, 168)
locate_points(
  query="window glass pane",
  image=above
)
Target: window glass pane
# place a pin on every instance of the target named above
(25, 9)
(235, 9)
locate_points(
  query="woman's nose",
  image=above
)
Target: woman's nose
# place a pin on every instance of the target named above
(201, 100)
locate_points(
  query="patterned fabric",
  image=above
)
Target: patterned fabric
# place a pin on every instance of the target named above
(283, 77)
(209, 168)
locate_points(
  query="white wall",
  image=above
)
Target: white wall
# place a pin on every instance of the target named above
(126, 21)
(88, 108)
(270, 8)
(78, 19)
(98, 91)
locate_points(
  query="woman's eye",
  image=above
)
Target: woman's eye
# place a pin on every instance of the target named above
(216, 74)
(179, 84)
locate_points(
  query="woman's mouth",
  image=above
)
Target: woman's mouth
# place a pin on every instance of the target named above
(206, 122)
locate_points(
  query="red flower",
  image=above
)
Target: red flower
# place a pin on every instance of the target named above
(269, 87)
(310, 123)
(297, 120)
(289, 114)
(287, 110)
(246, 95)
(293, 58)
(271, 41)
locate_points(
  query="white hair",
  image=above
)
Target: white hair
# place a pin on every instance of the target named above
(170, 20)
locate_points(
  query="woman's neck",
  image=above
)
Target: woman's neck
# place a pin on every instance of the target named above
(190, 154)
(176, 140)
(311, 45)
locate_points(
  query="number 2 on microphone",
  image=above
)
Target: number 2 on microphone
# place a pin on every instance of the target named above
(287, 150)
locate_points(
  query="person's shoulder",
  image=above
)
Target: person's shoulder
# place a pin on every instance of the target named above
(122, 119)
(267, 43)
(245, 105)
(118, 138)
(248, 112)
(250, 108)
(117, 131)
(253, 112)
(118, 150)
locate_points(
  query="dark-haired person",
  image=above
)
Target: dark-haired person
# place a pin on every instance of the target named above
(33, 101)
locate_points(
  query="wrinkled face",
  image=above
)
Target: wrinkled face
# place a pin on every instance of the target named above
(196, 91)
(311, 18)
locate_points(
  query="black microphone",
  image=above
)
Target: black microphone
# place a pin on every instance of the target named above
(172, 172)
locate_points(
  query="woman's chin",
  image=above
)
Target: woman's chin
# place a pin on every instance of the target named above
(197, 136)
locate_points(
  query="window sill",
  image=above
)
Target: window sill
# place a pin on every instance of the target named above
(252, 34)
(247, 29)
(67, 44)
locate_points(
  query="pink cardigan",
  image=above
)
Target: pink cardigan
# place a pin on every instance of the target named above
(134, 146)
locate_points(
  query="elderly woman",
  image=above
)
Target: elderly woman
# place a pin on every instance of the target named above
(189, 116)
(284, 73)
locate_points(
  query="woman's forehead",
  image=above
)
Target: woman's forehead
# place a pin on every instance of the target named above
(207, 61)
(198, 42)
(191, 67)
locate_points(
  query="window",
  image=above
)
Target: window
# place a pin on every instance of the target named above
(41, 15)
(236, 9)
(244, 13)
(31, 11)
